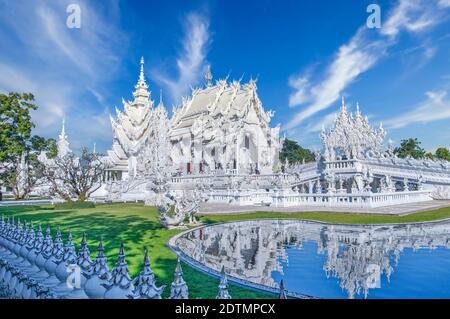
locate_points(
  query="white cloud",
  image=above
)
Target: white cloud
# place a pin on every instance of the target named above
(359, 55)
(325, 122)
(444, 3)
(436, 107)
(352, 59)
(64, 68)
(413, 16)
(302, 85)
(191, 62)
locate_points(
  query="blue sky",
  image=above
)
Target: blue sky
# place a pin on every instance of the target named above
(305, 54)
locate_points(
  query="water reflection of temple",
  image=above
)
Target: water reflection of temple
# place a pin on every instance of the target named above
(358, 256)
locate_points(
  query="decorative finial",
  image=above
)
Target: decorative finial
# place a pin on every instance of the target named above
(160, 97)
(146, 284)
(179, 289)
(141, 74)
(62, 135)
(94, 150)
(208, 76)
(146, 260)
(343, 107)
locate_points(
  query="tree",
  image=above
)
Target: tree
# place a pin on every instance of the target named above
(442, 153)
(410, 147)
(19, 167)
(73, 177)
(294, 153)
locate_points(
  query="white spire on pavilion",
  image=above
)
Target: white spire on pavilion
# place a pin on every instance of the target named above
(141, 93)
(343, 106)
(63, 143)
(208, 76)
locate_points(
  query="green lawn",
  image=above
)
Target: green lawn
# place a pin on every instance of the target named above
(138, 227)
(342, 218)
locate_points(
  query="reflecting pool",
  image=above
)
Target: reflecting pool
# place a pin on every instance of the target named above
(329, 261)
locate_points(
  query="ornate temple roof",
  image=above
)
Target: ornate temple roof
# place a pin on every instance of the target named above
(352, 135)
(222, 100)
(130, 127)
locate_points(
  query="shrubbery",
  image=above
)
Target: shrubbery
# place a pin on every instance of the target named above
(74, 205)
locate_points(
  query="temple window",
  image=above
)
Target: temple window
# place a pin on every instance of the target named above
(247, 142)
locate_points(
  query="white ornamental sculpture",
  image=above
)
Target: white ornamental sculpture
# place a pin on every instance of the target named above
(179, 289)
(146, 283)
(84, 263)
(155, 156)
(69, 258)
(176, 209)
(97, 275)
(120, 285)
(351, 136)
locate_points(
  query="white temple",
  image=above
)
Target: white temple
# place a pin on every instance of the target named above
(220, 127)
(220, 141)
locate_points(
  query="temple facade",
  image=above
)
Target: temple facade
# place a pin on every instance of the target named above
(224, 127)
(221, 127)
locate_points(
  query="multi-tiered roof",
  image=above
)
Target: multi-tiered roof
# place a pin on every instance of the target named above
(131, 126)
(351, 135)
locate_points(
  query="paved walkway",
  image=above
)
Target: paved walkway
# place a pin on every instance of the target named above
(403, 209)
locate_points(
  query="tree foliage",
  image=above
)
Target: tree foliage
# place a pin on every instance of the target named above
(19, 166)
(75, 178)
(442, 153)
(294, 153)
(410, 147)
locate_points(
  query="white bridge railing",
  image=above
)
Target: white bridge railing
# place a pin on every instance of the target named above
(287, 198)
(34, 266)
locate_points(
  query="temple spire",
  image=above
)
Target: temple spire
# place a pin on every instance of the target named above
(208, 76)
(63, 143)
(141, 73)
(141, 93)
(343, 107)
(63, 135)
(160, 98)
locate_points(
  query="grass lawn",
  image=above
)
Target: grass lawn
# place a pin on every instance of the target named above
(138, 227)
